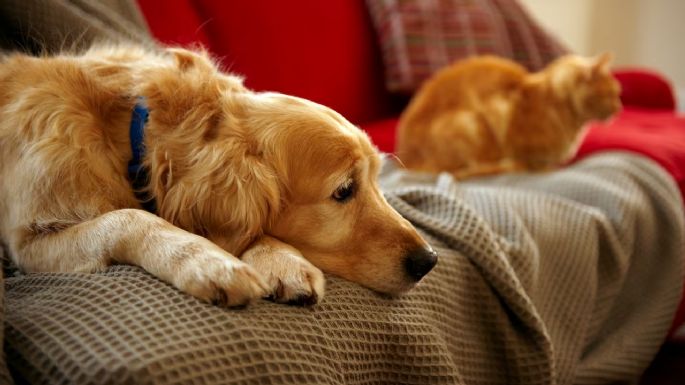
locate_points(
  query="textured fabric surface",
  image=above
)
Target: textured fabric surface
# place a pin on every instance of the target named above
(566, 277)
(660, 135)
(418, 37)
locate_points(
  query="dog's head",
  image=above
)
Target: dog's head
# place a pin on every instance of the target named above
(267, 163)
(333, 210)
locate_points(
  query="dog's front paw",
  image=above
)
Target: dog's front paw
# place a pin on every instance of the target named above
(215, 276)
(291, 278)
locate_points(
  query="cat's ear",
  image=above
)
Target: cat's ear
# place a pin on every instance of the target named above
(601, 63)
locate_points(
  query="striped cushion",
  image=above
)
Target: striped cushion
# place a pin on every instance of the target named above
(419, 37)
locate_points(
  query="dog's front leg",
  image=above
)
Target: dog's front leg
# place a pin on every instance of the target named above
(190, 262)
(292, 278)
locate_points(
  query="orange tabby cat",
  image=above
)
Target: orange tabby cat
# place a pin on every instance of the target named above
(487, 115)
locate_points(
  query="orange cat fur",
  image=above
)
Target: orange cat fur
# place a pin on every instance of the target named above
(487, 115)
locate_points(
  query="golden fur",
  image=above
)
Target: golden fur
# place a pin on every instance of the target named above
(234, 173)
(487, 114)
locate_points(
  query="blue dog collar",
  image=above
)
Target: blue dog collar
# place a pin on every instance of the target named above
(137, 173)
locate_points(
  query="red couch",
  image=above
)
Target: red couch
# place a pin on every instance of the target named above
(327, 52)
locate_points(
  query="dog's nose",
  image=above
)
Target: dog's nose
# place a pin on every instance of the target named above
(419, 262)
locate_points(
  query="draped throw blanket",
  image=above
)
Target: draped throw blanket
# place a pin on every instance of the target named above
(568, 277)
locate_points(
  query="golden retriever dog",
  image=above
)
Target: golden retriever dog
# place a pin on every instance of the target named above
(256, 193)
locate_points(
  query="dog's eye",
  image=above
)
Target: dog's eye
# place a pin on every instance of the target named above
(344, 192)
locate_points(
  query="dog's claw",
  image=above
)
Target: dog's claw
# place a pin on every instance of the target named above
(304, 300)
(291, 278)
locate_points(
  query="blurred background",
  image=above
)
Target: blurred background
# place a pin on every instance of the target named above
(645, 33)
(365, 58)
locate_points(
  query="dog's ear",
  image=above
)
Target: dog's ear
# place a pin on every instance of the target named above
(219, 191)
(191, 90)
(187, 60)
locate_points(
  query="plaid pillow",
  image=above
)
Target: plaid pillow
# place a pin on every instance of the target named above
(418, 37)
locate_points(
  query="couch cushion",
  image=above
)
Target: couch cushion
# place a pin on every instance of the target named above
(645, 89)
(419, 37)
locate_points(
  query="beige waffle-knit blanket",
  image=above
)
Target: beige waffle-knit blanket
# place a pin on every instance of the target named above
(559, 278)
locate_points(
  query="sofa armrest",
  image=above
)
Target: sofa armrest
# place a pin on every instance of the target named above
(647, 89)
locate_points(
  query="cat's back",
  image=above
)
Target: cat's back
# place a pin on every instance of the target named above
(465, 84)
(482, 75)
(455, 102)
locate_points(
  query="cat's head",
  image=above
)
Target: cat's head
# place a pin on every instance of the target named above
(587, 83)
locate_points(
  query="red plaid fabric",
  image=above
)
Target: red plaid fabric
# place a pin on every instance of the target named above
(418, 37)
